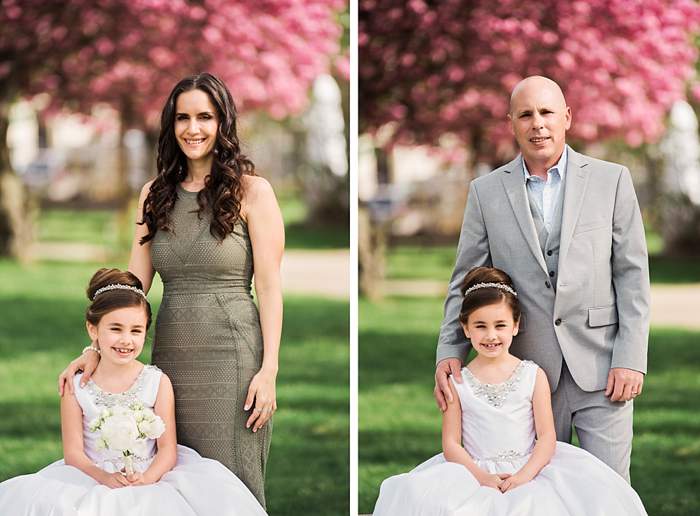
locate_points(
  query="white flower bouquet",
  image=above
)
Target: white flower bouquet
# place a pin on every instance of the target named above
(126, 429)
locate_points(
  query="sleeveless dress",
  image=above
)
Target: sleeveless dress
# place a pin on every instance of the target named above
(498, 432)
(208, 339)
(194, 487)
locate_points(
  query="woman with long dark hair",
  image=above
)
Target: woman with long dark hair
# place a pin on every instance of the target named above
(205, 223)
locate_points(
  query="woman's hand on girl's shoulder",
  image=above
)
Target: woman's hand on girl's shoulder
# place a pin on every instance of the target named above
(87, 363)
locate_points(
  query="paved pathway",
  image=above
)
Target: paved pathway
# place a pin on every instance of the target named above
(323, 273)
(326, 273)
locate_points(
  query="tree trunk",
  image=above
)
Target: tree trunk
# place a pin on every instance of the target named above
(371, 255)
(373, 236)
(15, 213)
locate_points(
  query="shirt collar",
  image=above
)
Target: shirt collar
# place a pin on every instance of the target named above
(560, 166)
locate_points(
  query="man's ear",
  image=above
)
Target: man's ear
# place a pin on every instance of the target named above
(510, 124)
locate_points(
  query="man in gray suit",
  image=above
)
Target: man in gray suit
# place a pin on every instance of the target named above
(567, 229)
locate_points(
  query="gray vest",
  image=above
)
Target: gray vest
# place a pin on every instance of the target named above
(549, 240)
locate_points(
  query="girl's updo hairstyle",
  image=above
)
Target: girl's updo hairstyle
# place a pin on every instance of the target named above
(487, 295)
(114, 299)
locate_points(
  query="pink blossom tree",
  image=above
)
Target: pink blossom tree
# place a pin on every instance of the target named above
(129, 54)
(432, 68)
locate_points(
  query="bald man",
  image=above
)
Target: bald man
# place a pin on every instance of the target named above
(568, 230)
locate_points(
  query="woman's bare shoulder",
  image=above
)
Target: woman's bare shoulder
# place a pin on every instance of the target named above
(145, 190)
(257, 192)
(255, 185)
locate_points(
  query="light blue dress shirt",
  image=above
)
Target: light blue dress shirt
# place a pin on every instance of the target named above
(546, 193)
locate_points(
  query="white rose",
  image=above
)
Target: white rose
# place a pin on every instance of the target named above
(119, 432)
(152, 428)
(95, 424)
(139, 448)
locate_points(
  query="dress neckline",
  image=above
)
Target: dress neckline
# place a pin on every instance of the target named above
(190, 192)
(512, 375)
(131, 387)
(496, 394)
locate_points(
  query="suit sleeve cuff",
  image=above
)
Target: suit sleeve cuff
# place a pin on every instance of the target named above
(445, 351)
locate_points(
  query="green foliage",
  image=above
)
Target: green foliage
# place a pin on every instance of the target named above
(42, 329)
(436, 262)
(93, 226)
(102, 228)
(411, 262)
(301, 233)
(400, 423)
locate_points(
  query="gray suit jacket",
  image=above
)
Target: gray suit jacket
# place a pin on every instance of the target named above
(599, 316)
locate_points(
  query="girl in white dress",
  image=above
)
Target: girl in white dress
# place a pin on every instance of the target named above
(500, 454)
(89, 481)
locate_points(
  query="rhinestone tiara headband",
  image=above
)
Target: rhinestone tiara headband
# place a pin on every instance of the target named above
(118, 286)
(500, 286)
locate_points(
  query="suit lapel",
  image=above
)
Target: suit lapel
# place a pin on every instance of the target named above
(577, 175)
(514, 184)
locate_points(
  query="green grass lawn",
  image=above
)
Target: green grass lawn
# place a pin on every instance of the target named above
(104, 228)
(400, 424)
(42, 328)
(408, 262)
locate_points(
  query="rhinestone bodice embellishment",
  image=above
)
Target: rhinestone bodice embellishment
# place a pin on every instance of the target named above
(495, 394)
(111, 399)
(507, 456)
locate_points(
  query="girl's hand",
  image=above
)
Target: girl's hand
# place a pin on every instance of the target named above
(138, 479)
(494, 480)
(87, 363)
(512, 482)
(262, 390)
(113, 480)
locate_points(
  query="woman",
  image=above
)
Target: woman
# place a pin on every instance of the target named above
(204, 224)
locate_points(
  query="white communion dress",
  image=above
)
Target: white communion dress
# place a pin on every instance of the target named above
(196, 486)
(498, 432)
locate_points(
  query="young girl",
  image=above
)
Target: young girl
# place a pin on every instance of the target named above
(500, 454)
(168, 479)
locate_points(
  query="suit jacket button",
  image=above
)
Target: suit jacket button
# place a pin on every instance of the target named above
(549, 253)
(547, 284)
(557, 322)
(551, 274)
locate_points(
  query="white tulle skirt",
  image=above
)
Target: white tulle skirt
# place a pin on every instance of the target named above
(194, 487)
(574, 483)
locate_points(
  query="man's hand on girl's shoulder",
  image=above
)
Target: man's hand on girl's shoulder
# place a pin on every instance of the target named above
(442, 392)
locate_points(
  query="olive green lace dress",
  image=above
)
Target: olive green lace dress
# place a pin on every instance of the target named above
(208, 339)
